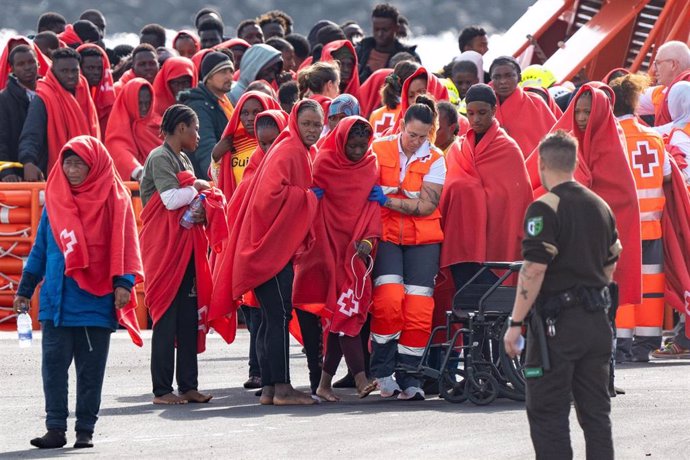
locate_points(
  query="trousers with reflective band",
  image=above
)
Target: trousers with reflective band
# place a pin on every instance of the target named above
(400, 228)
(646, 154)
(403, 304)
(646, 319)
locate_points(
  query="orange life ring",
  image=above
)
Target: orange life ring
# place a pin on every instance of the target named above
(15, 215)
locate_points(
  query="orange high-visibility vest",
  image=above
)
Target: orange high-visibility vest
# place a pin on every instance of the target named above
(646, 154)
(400, 228)
(658, 96)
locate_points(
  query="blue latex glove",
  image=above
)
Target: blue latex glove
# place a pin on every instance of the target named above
(318, 192)
(377, 195)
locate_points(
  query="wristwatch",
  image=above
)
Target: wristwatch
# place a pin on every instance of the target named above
(514, 323)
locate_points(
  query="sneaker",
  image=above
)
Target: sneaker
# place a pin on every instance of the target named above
(672, 350)
(412, 394)
(388, 387)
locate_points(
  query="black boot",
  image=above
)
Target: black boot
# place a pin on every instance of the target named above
(84, 439)
(51, 440)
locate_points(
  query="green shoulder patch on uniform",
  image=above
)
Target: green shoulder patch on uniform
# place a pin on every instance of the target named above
(535, 225)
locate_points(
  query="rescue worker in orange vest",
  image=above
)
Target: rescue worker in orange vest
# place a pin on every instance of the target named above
(639, 327)
(412, 175)
(671, 64)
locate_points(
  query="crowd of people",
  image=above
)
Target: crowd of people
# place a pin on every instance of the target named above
(331, 187)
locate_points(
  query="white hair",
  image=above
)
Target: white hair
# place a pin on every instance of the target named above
(677, 51)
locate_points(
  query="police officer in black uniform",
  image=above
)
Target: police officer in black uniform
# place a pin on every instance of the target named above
(570, 251)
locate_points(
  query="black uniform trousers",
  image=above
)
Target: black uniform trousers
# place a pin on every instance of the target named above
(178, 327)
(579, 354)
(273, 337)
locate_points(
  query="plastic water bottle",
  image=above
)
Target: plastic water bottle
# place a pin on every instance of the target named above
(520, 343)
(24, 330)
(187, 220)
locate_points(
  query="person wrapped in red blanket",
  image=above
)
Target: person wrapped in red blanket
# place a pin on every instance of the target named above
(144, 65)
(178, 284)
(676, 231)
(5, 68)
(524, 115)
(177, 74)
(273, 224)
(135, 129)
(486, 194)
(343, 53)
(100, 78)
(61, 110)
(87, 255)
(238, 140)
(186, 43)
(267, 125)
(420, 82)
(603, 168)
(334, 272)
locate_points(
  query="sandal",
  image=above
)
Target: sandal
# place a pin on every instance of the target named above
(672, 350)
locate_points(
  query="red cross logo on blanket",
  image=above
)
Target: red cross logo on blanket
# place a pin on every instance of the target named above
(348, 305)
(645, 159)
(69, 240)
(686, 298)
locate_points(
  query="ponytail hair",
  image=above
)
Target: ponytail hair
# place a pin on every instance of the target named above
(315, 77)
(424, 110)
(391, 90)
(174, 115)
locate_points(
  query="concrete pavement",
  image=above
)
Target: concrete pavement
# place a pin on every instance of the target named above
(650, 421)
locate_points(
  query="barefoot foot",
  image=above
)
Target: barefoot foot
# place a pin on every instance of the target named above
(169, 400)
(267, 394)
(327, 393)
(194, 396)
(287, 396)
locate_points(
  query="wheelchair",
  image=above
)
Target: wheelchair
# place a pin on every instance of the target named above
(474, 365)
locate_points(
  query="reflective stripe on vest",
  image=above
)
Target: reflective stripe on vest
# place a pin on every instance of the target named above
(651, 193)
(389, 190)
(650, 216)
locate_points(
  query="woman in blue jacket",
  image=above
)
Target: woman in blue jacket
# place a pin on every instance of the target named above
(88, 271)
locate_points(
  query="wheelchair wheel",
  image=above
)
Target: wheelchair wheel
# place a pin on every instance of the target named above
(482, 388)
(451, 386)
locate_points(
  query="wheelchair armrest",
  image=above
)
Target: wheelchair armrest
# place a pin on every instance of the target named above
(516, 266)
(501, 265)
